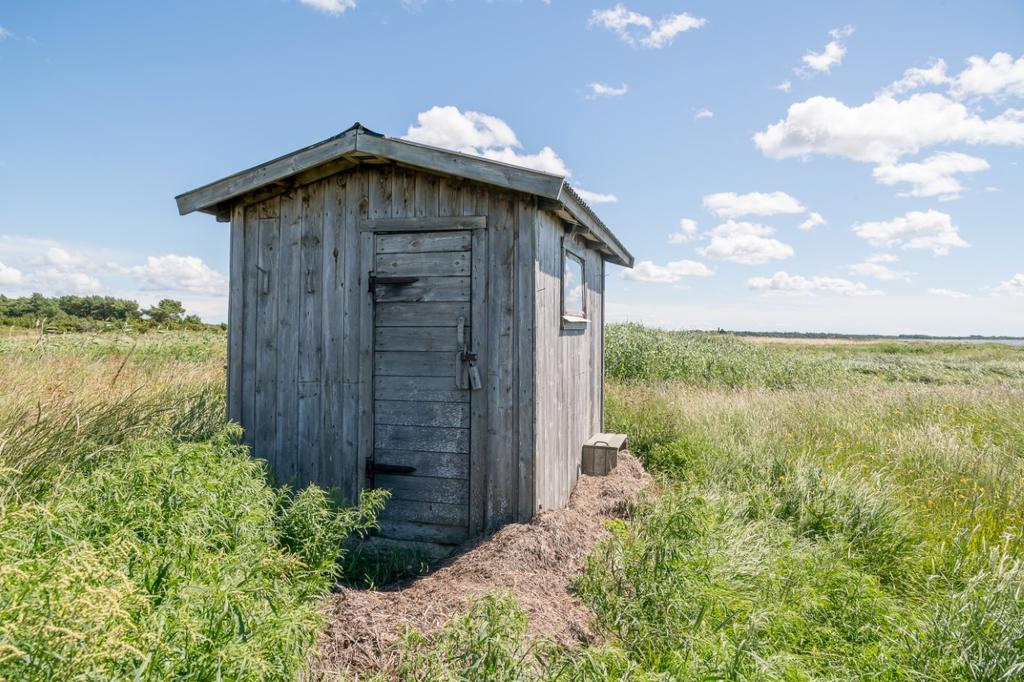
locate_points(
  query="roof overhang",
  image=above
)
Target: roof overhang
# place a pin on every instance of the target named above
(358, 144)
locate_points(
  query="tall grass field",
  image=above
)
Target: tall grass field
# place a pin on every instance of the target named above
(138, 540)
(845, 511)
(825, 512)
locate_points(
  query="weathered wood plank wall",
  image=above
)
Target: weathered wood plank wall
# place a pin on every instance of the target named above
(569, 366)
(302, 331)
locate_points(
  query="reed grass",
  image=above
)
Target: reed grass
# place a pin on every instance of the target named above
(864, 525)
(138, 539)
(825, 512)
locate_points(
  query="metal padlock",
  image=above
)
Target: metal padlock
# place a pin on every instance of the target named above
(474, 377)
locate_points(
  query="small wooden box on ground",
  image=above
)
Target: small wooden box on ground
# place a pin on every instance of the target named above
(601, 453)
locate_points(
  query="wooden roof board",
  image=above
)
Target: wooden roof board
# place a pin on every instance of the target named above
(359, 141)
(237, 184)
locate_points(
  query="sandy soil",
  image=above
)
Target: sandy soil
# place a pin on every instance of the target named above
(536, 562)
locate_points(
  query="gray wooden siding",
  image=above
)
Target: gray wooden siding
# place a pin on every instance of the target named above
(569, 366)
(303, 335)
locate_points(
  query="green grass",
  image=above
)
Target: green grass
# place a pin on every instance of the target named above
(138, 539)
(900, 503)
(824, 511)
(637, 354)
(862, 525)
(149, 350)
(74, 398)
(832, 511)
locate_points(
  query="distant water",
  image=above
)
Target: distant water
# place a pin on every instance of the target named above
(1008, 342)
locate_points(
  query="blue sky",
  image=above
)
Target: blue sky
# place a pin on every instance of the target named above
(901, 127)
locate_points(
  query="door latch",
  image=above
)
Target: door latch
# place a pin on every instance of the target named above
(465, 362)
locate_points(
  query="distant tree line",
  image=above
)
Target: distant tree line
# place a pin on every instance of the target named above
(92, 313)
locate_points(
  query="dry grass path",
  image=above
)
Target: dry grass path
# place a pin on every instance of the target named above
(535, 562)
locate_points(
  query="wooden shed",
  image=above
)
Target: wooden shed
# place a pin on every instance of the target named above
(407, 317)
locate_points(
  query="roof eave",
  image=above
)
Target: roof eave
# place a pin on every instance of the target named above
(462, 165)
(207, 197)
(586, 217)
(212, 198)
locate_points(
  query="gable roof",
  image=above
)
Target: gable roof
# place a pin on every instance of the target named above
(351, 146)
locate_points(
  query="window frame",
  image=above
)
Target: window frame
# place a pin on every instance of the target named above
(573, 321)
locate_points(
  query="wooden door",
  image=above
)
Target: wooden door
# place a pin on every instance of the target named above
(422, 292)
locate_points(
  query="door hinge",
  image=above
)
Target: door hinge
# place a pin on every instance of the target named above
(373, 281)
(373, 468)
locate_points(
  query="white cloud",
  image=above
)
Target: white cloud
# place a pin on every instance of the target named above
(1011, 287)
(25, 247)
(687, 232)
(180, 273)
(60, 281)
(745, 243)
(595, 197)
(670, 273)
(620, 21)
(813, 220)
(4, 33)
(43, 265)
(55, 268)
(61, 258)
(330, 6)
(783, 282)
(9, 275)
(889, 127)
(604, 90)
(915, 78)
(472, 132)
(931, 229)
(884, 129)
(995, 78)
(732, 205)
(632, 27)
(545, 161)
(935, 176)
(704, 113)
(873, 267)
(785, 86)
(669, 27)
(832, 55)
(948, 293)
(467, 132)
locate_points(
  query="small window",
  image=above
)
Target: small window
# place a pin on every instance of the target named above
(574, 300)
